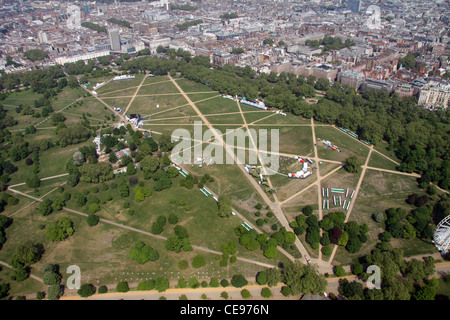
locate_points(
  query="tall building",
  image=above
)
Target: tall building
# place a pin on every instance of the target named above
(351, 78)
(42, 37)
(434, 95)
(114, 39)
(354, 5)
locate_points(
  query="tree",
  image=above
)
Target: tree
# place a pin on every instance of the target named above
(307, 210)
(266, 292)
(245, 294)
(161, 284)
(270, 252)
(352, 164)
(261, 278)
(198, 261)
(54, 292)
(339, 271)
(92, 220)
(122, 287)
(149, 163)
(45, 207)
(427, 292)
(142, 253)
(224, 206)
(26, 254)
(86, 290)
(33, 181)
(51, 278)
(238, 281)
(60, 229)
(352, 290)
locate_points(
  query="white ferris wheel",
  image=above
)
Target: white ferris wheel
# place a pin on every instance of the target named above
(441, 237)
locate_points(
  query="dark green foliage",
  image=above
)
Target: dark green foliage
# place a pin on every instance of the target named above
(238, 281)
(198, 261)
(122, 287)
(92, 220)
(142, 253)
(86, 290)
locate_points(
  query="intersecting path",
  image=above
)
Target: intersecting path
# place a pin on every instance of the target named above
(274, 206)
(120, 225)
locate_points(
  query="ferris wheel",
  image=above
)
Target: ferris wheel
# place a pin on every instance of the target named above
(441, 237)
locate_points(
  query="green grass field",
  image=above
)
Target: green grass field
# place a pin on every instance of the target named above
(348, 145)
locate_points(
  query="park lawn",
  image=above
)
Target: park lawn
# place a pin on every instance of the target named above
(90, 107)
(293, 207)
(348, 145)
(288, 119)
(383, 147)
(232, 119)
(255, 115)
(341, 179)
(94, 81)
(51, 161)
(164, 87)
(168, 129)
(217, 105)
(377, 183)
(292, 140)
(117, 102)
(197, 97)
(148, 105)
(173, 112)
(362, 212)
(287, 187)
(25, 97)
(28, 288)
(67, 96)
(122, 93)
(443, 288)
(192, 86)
(173, 122)
(120, 85)
(379, 161)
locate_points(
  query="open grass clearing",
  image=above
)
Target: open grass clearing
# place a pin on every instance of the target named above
(378, 183)
(192, 86)
(348, 145)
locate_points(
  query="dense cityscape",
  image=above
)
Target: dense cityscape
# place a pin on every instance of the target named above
(269, 36)
(351, 201)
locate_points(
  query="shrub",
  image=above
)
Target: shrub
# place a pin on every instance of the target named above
(40, 295)
(182, 264)
(198, 261)
(142, 253)
(92, 220)
(122, 287)
(339, 271)
(86, 290)
(266, 293)
(326, 251)
(238, 281)
(102, 289)
(245, 294)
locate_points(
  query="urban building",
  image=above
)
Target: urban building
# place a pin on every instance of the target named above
(114, 39)
(351, 78)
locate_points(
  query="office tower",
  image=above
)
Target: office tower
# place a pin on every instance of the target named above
(354, 5)
(114, 39)
(42, 37)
